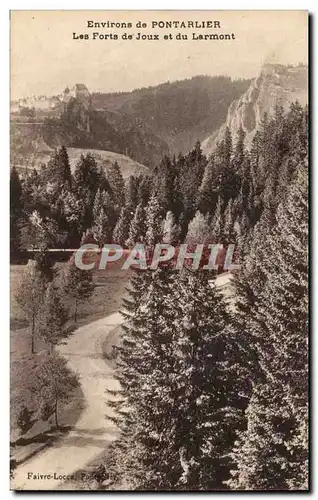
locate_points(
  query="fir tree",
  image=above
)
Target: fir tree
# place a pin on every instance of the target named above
(137, 229)
(272, 452)
(164, 186)
(228, 179)
(177, 206)
(104, 217)
(143, 364)
(181, 378)
(121, 230)
(45, 264)
(131, 193)
(59, 170)
(117, 186)
(213, 387)
(78, 284)
(74, 212)
(240, 155)
(191, 170)
(217, 223)
(86, 180)
(171, 231)
(53, 316)
(229, 233)
(207, 197)
(199, 230)
(145, 184)
(154, 222)
(39, 232)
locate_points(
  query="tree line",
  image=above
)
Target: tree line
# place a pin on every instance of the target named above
(46, 381)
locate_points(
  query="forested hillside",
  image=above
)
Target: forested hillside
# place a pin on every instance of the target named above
(145, 124)
(214, 395)
(179, 112)
(84, 128)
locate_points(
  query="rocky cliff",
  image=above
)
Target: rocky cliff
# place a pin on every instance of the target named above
(276, 84)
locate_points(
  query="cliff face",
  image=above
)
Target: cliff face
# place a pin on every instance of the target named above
(276, 84)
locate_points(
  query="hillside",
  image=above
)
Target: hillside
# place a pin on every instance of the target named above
(80, 127)
(179, 113)
(276, 84)
(106, 159)
(103, 158)
(144, 124)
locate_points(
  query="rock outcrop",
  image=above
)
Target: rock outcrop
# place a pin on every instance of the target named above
(276, 84)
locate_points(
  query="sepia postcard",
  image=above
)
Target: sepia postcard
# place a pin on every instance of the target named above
(159, 250)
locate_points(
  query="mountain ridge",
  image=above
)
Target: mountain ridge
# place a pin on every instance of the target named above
(179, 112)
(276, 84)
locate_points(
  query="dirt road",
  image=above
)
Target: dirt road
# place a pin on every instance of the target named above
(92, 432)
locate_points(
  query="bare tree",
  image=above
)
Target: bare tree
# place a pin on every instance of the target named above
(30, 296)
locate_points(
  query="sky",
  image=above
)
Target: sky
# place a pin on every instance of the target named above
(45, 57)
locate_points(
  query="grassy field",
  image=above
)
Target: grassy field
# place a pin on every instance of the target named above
(105, 159)
(106, 299)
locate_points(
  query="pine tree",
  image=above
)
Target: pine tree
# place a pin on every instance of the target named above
(86, 180)
(137, 229)
(229, 233)
(121, 230)
(180, 377)
(199, 230)
(154, 222)
(272, 453)
(207, 196)
(171, 231)
(217, 223)
(117, 185)
(131, 192)
(213, 386)
(78, 284)
(53, 316)
(39, 232)
(142, 363)
(145, 184)
(104, 217)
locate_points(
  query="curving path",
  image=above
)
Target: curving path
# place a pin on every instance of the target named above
(92, 432)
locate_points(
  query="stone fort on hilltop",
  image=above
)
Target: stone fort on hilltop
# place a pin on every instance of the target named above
(54, 103)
